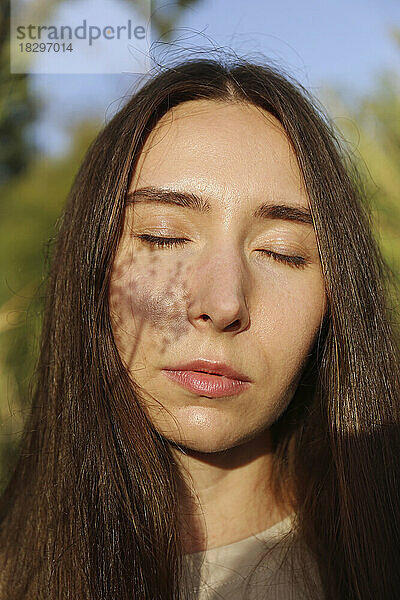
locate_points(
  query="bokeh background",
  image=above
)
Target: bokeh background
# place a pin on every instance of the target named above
(346, 52)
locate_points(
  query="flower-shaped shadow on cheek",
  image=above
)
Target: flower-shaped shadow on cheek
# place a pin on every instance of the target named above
(148, 304)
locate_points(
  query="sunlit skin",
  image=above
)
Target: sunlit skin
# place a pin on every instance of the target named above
(218, 296)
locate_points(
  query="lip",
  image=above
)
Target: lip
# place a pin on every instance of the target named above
(208, 378)
(209, 366)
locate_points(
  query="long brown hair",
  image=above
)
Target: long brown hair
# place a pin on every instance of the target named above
(91, 509)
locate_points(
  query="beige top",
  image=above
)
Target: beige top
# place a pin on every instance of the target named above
(223, 573)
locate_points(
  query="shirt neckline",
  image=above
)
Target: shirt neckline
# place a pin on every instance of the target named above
(278, 528)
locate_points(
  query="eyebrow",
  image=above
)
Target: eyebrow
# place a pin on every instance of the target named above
(285, 212)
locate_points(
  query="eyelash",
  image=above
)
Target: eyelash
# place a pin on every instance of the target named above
(169, 242)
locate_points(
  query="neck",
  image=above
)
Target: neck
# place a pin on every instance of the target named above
(227, 495)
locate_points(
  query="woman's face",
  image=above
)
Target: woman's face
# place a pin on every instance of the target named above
(223, 290)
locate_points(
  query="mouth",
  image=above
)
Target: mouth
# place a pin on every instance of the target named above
(208, 378)
(214, 367)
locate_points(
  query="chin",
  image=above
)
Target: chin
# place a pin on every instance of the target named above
(201, 447)
(205, 441)
(208, 430)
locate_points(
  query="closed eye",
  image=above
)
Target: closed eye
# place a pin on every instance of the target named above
(163, 242)
(291, 260)
(170, 242)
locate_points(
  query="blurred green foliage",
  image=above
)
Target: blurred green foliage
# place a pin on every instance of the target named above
(32, 200)
(18, 108)
(371, 129)
(29, 213)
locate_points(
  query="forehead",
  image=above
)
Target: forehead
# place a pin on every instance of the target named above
(228, 151)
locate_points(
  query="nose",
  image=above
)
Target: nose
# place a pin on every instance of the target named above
(216, 293)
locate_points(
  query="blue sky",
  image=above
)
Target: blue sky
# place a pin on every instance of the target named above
(338, 43)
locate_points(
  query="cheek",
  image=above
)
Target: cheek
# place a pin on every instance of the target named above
(149, 297)
(290, 319)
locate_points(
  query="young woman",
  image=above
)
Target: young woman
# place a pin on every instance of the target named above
(216, 413)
